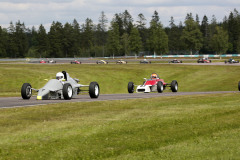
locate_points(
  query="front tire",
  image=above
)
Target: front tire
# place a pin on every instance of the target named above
(130, 87)
(160, 87)
(67, 91)
(26, 91)
(174, 86)
(94, 90)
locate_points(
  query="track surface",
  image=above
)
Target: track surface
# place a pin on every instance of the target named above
(12, 102)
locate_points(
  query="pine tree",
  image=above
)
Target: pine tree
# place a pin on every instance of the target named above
(42, 38)
(191, 35)
(143, 31)
(76, 38)
(102, 30)
(135, 41)
(219, 41)
(158, 39)
(113, 41)
(127, 22)
(3, 42)
(55, 37)
(206, 35)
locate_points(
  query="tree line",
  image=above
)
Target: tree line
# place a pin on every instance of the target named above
(124, 36)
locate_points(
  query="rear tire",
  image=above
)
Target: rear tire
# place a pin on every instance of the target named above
(26, 91)
(94, 90)
(239, 85)
(160, 87)
(67, 91)
(174, 86)
(130, 87)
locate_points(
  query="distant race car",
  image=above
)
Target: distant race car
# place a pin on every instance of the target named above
(231, 61)
(145, 61)
(154, 84)
(204, 60)
(102, 62)
(121, 62)
(175, 61)
(42, 61)
(76, 62)
(51, 61)
(63, 87)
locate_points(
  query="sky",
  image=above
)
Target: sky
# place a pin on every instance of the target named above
(36, 12)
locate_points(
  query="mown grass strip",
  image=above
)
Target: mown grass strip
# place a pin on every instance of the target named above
(181, 127)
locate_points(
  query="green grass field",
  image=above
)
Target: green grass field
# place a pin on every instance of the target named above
(179, 127)
(114, 78)
(182, 127)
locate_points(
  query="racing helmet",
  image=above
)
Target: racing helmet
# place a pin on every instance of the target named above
(154, 76)
(59, 76)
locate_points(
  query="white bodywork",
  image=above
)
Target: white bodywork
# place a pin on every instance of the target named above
(144, 88)
(53, 88)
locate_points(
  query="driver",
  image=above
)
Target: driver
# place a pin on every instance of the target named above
(60, 76)
(154, 76)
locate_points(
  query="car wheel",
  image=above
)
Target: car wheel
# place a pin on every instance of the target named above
(94, 90)
(174, 86)
(239, 85)
(26, 91)
(130, 87)
(160, 87)
(67, 91)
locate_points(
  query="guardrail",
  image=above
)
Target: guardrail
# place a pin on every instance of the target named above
(192, 56)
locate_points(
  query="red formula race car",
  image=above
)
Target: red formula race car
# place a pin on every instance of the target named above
(154, 84)
(75, 62)
(42, 61)
(204, 60)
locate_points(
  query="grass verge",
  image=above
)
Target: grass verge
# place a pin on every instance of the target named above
(181, 127)
(114, 78)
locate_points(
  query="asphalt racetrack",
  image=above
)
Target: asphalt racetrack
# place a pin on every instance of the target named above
(13, 102)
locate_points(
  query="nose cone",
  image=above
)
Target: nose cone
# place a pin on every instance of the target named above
(43, 94)
(39, 97)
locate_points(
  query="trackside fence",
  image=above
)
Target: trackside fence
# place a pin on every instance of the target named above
(192, 56)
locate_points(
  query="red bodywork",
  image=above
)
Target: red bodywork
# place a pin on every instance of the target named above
(75, 62)
(207, 61)
(154, 82)
(204, 60)
(42, 61)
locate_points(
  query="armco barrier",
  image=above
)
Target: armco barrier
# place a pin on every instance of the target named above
(192, 56)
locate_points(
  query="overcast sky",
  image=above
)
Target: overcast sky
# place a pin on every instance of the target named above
(36, 12)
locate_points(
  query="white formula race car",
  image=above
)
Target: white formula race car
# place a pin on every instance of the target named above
(63, 87)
